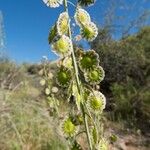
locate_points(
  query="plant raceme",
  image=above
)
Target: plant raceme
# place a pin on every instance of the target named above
(76, 78)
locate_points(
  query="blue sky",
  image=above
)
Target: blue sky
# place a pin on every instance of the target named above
(27, 23)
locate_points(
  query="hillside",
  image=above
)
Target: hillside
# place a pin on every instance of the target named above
(26, 122)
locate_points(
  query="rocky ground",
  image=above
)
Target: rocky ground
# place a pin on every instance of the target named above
(128, 140)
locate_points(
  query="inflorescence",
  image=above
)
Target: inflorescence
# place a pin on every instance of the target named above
(77, 75)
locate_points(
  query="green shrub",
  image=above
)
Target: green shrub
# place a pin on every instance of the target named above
(126, 63)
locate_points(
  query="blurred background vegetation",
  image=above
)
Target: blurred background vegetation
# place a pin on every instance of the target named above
(127, 66)
(24, 114)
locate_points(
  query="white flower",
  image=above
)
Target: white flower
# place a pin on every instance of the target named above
(47, 91)
(42, 82)
(67, 62)
(54, 89)
(50, 75)
(62, 23)
(82, 17)
(41, 72)
(89, 31)
(63, 46)
(53, 3)
(96, 102)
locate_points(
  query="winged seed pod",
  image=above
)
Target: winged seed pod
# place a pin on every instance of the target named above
(63, 77)
(94, 76)
(63, 46)
(62, 24)
(89, 31)
(86, 2)
(53, 3)
(88, 60)
(68, 128)
(67, 62)
(82, 17)
(96, 102)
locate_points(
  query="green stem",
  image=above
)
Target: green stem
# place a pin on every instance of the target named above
(78, 82)
(86, 126)
(73, 54)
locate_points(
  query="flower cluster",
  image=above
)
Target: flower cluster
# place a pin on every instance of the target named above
(76, 77)
(88, 29)
(89, 65)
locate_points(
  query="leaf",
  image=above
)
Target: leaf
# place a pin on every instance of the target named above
(94, 134)
(52, 34)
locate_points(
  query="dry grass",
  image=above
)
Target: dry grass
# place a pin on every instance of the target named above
(25, 123)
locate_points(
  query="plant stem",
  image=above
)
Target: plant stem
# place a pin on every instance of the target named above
(78, 81)
(86, 126)
(73, 54)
